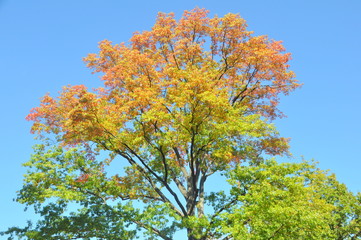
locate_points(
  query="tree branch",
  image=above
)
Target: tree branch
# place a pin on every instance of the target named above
(246, 87)
(165, 184)
(153, 229)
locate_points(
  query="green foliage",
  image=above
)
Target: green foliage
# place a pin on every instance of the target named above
(95, 221)
(267, 200)
(286, 201)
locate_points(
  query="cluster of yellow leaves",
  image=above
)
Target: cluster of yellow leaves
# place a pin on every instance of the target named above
(203, 85)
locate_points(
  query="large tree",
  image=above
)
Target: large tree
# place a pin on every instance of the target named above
(184, 102)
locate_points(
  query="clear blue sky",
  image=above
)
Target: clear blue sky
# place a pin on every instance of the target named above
(42, 43)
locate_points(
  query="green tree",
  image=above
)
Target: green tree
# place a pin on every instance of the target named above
(181, 103)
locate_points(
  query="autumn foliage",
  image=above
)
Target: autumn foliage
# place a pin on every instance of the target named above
(180, 102)
(175, 82)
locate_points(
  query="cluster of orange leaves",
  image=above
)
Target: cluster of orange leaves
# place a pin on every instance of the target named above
(179, 75)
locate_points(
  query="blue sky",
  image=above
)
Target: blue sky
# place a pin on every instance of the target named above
(42, 44)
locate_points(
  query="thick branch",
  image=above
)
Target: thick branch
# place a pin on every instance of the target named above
(153, 173)
(165, 164)
(180, 186)
(200, 205)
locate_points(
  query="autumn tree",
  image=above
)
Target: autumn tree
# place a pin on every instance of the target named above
(186, 101)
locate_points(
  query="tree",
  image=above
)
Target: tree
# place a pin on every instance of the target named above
(181, 103)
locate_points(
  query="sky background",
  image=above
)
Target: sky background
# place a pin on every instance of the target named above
(42, 44)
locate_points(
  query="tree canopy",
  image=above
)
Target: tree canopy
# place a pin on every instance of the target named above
(186, 101)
